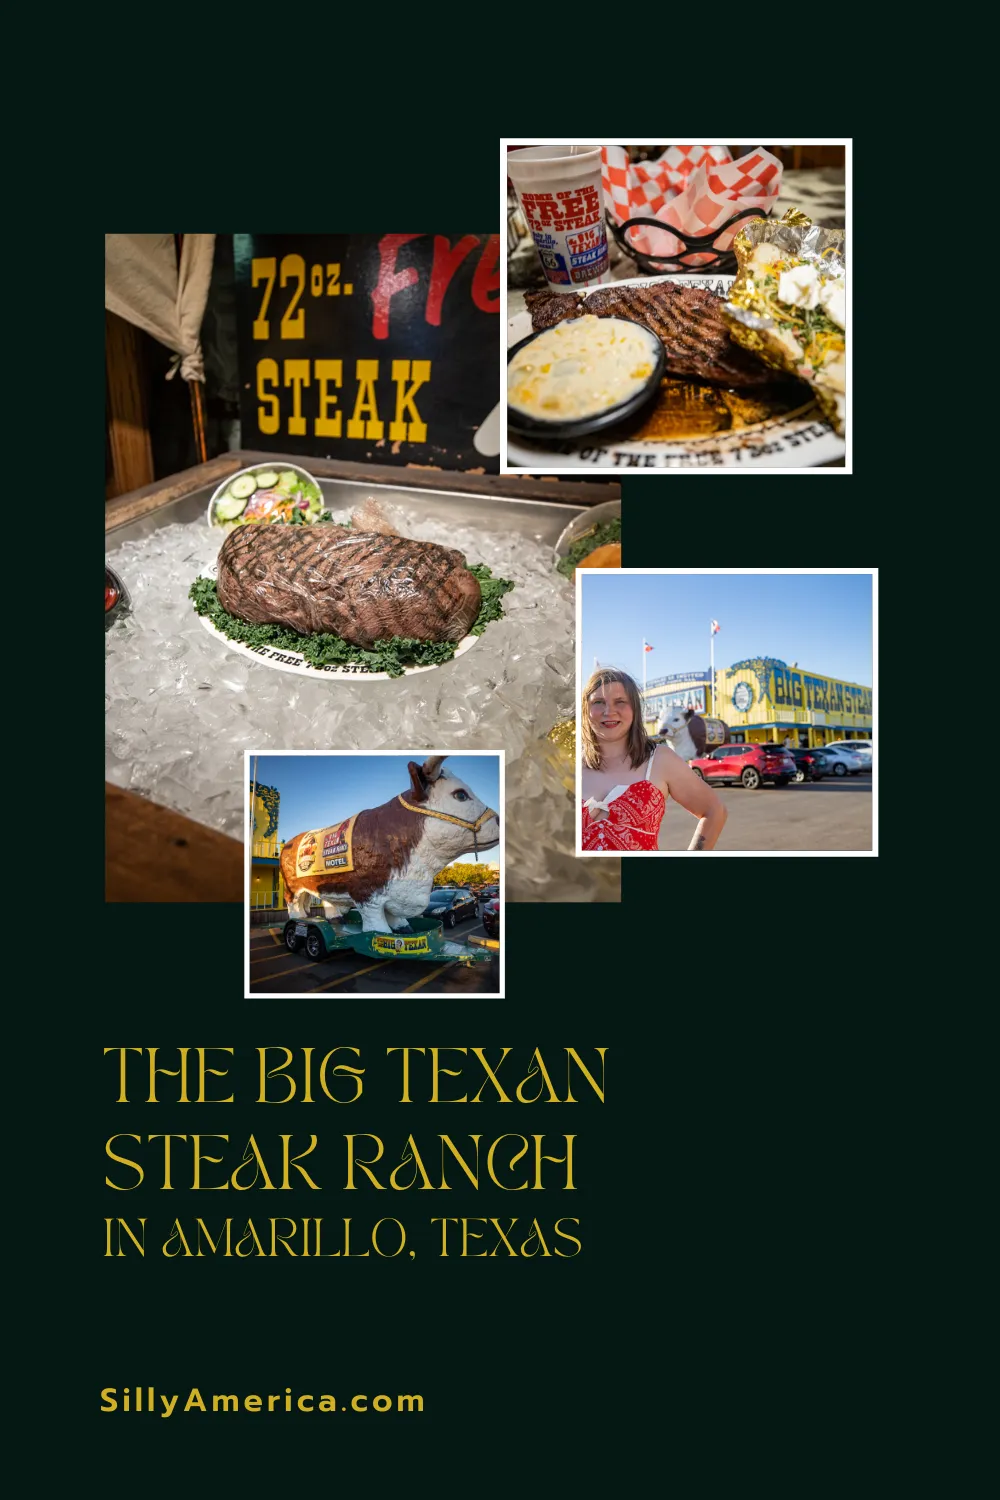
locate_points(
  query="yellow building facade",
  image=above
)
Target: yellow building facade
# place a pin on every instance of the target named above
(267, 890)
(764, 699)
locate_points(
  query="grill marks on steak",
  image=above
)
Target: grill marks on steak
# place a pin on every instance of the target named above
(363, 586)
(548, 308)
(689, 324)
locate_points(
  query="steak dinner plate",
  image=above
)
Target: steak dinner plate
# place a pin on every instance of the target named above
(691, 426)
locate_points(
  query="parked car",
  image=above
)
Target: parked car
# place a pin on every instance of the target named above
(810, 765)
(488, 892)
(450, 905)
(491, 917)
(843, 762)
(748, 764)
(861, 748)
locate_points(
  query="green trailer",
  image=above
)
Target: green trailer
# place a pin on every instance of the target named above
(320, 936)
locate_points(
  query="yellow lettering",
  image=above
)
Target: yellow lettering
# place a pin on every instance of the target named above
(366, 373)
(414, 431)
(328, 370)
(297, 375)
(263, 269)
(268, 419)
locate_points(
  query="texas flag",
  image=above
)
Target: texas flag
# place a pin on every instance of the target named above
(645, 647)
(715, 628)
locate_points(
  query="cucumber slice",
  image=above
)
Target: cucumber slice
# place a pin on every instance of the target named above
(243, 488)
(230, 506)
(267, 479)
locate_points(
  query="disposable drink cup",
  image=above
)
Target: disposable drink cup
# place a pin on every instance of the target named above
(559, 190)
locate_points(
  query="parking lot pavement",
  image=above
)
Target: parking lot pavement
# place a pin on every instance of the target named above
(835, 813)
(274, 970)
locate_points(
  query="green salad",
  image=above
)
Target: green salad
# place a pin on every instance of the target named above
(391, 656)
(267, 495)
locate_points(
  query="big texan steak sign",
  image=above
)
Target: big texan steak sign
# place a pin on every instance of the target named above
(383, 348)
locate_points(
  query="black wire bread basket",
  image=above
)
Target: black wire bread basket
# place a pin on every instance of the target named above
(722, 261)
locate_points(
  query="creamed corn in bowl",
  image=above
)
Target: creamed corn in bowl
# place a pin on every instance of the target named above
(581, 369)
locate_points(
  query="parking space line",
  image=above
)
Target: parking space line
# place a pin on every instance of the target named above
(345, 977)
(427, 978)
(266, 958)
(276, 973)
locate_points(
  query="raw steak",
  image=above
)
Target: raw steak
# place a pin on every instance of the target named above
(363, 586)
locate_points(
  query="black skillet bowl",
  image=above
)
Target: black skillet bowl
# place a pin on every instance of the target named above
(537, 429)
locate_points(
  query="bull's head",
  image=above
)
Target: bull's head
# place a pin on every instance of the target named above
(452, 833)
(674, 720)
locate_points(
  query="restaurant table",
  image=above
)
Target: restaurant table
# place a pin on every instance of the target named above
(153, 854)
(819, 192)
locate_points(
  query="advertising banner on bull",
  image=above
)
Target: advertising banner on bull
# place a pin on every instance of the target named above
(327, 849)
(378, 348)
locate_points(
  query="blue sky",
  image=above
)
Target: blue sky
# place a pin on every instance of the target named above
(822, 621)
(321, 789)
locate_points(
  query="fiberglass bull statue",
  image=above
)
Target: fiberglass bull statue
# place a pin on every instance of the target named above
(383, 861)
(689, 734)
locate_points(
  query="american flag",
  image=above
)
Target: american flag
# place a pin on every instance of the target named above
(715, 628)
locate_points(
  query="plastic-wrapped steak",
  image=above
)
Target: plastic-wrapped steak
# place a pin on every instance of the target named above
(362, 586)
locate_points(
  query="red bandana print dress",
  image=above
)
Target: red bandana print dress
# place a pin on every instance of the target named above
(633, 820)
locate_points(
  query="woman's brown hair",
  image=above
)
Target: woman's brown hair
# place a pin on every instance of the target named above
(640, 746)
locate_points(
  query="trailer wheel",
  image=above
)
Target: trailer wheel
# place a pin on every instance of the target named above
(292, 940)
(315, 946)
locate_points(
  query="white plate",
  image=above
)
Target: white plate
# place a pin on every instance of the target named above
(294, 661)
(799, 439)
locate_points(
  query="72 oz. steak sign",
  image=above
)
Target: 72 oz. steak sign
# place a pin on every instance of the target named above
(383, 348)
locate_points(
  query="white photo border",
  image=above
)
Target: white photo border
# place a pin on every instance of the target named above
(543, 468)
(248, 755)
(595, 573)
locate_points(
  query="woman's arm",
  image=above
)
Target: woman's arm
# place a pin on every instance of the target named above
(675, 776)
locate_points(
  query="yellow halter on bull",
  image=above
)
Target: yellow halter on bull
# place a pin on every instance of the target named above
(431, 812)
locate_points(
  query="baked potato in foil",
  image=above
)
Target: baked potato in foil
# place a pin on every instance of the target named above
(788, 304)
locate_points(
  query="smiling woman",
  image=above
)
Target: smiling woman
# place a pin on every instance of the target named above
(625, 817)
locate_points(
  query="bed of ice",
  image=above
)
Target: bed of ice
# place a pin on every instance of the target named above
(181, 708)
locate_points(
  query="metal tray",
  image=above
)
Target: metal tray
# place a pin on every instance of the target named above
(540, 519)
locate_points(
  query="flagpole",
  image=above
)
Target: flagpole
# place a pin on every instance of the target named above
(644, 678)
(711, 642)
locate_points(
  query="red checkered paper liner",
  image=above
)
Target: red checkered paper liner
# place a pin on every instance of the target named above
(694, 188)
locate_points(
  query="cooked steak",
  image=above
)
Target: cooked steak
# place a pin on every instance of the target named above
(548, 308)
(363, 586)
(688, 322)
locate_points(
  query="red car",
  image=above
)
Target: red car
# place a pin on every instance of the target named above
(748, 764)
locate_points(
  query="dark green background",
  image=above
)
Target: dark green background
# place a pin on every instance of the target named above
(725, 1328)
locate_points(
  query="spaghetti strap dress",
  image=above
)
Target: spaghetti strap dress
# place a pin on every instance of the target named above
(634, 816)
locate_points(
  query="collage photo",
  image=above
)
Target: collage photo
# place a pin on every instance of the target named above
(378, 668)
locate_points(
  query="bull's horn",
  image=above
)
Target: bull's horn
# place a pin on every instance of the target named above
(432, 766)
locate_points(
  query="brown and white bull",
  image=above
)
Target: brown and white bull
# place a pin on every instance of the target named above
(398, 848)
